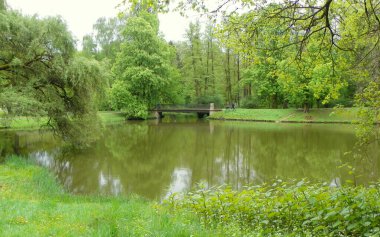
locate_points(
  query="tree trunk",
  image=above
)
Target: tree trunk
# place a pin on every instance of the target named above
(196, 81)
(212, 66)
(238, 79)
(228, 77)
(207, 67)
(306, 107)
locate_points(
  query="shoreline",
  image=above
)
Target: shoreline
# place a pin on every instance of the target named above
(45, 208)
(275, 121)
(315, 116)
(318, 116)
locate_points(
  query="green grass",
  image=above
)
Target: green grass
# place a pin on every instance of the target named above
(289, 115)
(33, 204)
(22, 122)
(253, 114)
(108, 117)
(269, 115)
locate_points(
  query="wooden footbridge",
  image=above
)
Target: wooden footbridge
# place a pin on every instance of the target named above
(200, 110)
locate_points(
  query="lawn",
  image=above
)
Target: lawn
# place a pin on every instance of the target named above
(23, 122)
(347, 115)
(33, 204)
(111, 116)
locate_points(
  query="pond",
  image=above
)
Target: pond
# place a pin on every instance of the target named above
(156, 158)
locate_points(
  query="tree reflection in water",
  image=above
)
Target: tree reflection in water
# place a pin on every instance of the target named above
(154, 159)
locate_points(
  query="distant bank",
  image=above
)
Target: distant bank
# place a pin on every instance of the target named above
(342, 115)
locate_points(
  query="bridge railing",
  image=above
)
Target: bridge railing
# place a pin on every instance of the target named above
(183, 106)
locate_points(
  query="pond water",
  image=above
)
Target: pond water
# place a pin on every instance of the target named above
(156, 158)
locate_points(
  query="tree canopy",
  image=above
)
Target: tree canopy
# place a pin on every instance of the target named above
(142, 68)
(303, 52)
(40, 75)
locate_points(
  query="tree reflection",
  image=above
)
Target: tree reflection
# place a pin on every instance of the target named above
(153, 159)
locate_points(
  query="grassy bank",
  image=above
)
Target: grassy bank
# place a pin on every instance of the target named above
(346, 115)
(22, 122)
(33, 204)
(265, 115)
(108, 117)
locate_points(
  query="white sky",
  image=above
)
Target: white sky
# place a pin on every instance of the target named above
(80, 15)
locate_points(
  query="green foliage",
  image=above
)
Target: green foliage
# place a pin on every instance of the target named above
(105, 41)
(122, 99)
(31, 61)
(3, 5)
(89, 47)
(207, 99)
(286, 209)
(262, 77)
(250, 102)
(41, 76)
(204, 66)
(142, 68)
(369, 113)
(152, 6)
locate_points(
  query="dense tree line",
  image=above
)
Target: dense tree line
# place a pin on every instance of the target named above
(251, 59)
(251, 53)
(304, 53)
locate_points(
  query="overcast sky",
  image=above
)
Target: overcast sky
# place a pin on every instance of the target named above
(80, 15)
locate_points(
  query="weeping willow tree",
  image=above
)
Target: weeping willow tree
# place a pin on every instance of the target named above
(40, 75)
(2, 5)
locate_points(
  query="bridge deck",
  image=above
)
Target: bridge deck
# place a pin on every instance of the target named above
(183, 110)
(186, 108)
(201, 110)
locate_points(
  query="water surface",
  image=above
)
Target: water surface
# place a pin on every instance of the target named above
(156, 158)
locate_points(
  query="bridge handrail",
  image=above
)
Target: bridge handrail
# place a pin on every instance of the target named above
(182, 106)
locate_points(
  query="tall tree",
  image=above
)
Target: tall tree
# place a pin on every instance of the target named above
(202, 66)
(194, 39)
(89, 47)
(108, 36)
(39, 73)
(143, 67)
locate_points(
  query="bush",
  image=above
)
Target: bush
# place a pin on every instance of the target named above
(250, 102)
(207, 99)
(282, 209)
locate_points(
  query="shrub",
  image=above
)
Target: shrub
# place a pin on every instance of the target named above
(250, 102)
(282, 209)
(207, 99)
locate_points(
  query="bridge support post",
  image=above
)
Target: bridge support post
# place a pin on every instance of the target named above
(211, 108)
